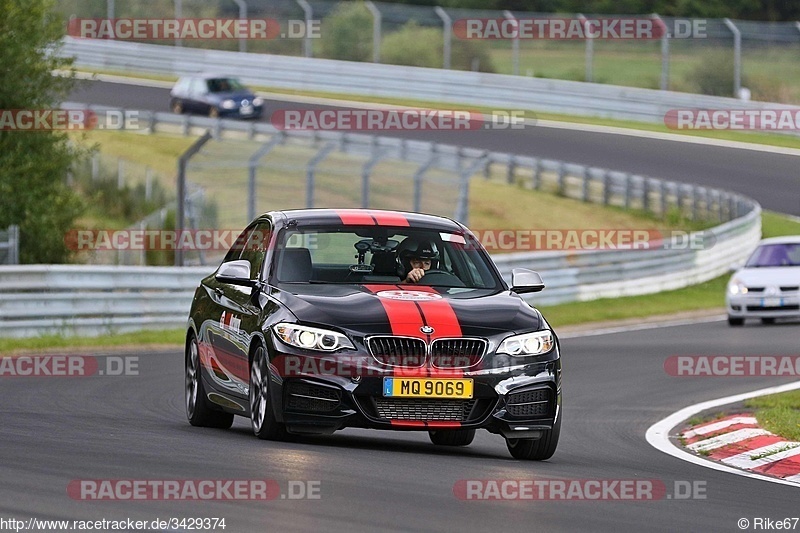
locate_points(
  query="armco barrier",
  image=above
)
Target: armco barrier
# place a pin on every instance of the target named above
(498, 91)
(92, 300)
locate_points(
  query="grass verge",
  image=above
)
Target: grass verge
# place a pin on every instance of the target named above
(778, 413)
(167, 337)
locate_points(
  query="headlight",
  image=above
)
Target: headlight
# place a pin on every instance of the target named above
(258, 101)
(228, 104)
(310, 338)
(737, 287)
(527, 344)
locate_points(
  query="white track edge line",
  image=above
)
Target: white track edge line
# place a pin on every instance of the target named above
(640, 327)
(658, 434)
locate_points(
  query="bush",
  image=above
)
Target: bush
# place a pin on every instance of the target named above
(714, 74)
(347, 33)
(417, 46)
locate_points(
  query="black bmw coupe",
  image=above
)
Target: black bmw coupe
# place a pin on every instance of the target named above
(309, 326)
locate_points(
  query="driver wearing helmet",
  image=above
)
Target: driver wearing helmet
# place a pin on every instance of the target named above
(416, 258)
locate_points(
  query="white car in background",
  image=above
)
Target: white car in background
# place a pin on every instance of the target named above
(768, 286)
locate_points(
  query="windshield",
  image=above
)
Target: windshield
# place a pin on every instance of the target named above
(224, 85)
(373, 255)
(775, 255)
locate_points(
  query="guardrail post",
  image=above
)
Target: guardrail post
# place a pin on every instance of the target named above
(514, 43)
(308, 14)
(645, 194)
(737, 56)
(13, 245)
(664, 193)
(537, 175)
(242, 16)
(376, 30)
(585, 184)
(561, 185)
(151, 122)
(606, 187)
(312, 168)
(628, 185)
(512, 166)
(183, 161)
(447, 31)
(695, 202)
(148, 183)
(185, 125)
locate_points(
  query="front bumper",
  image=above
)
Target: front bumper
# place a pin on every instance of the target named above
(520, 401)
(785, 305)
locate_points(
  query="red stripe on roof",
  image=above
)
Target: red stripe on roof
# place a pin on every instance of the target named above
(355, 217)
(386, 218)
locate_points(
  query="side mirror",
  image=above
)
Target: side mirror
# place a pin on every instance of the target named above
(525, 281)
(235, 272)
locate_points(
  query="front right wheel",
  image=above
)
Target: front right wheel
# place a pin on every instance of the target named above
(452, 437)
(735, 321)
(536, 449)
(262, 412)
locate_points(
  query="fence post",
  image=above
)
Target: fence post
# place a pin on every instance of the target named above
(180, 216)
(589, 75)
(462, 207)
(737, 56)
(514, 43)
(252, 168)
(148, 183)
(13, 245)
(178, 14)
(95, 166)
(376, 30)
(366, 171)
(447, 30)
(418, 175)
(242, 16)
(311, 169)
(664, 85)
(663, 199)
(120, 173)
(308, 14)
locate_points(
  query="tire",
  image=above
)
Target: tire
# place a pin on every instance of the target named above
(768, 320)
(734, 321)
(536, 449)
(199, 410)
(457, 437)
(262, 412)
(177, 107)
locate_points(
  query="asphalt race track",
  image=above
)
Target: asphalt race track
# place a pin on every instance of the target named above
(770, 178)
(55, 430)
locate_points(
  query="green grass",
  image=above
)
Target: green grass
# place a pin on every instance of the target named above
(170, 337)
(777, 225)
(778, 413)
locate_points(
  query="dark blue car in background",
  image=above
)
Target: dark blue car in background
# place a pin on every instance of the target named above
(215, 96)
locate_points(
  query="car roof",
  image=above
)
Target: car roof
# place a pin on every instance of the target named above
(210, 76)
(367, 217)
(786, 239)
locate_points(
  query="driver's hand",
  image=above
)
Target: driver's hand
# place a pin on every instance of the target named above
(415, 275)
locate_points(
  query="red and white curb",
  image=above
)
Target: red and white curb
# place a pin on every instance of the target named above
(736, 443)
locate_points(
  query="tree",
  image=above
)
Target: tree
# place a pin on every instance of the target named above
(34, 164)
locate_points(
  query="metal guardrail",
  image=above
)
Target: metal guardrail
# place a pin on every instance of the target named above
(497, 91)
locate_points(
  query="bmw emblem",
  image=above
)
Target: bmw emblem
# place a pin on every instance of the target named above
(245, 103)
(427, 330)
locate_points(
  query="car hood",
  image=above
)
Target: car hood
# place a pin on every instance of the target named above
(766, 276)
(402, 310)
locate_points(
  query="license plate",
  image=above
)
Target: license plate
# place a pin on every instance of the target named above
(771, 302)
(427, 388)
(248, 110)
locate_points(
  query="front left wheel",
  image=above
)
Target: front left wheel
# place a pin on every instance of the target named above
(536, 449)
(198, 409)
(452, 437)
(262, 412)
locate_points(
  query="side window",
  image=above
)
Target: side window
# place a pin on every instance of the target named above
(198, 87)
(256, 246)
